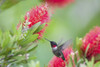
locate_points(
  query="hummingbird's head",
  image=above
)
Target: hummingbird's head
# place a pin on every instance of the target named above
(53, 44)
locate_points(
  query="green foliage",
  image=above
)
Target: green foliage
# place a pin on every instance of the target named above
(14, 47)
(33, 64)
(87, 50)
(71, 60)
(90, 63)
(68, 22)
(5, 4)
(28, 39)
(40, 27)
(80, 61)
(69, 65)
(34, 28)
(75, 59)
(78, 45)
(97, 64)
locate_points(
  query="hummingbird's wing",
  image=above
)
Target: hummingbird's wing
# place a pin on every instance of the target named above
(65, 45)
(60, 42)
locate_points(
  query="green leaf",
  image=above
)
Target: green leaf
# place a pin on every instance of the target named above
(37, 64)
(6, 40)
(32, 58)
(33, 28)
(70, 64)
(78, 45)
(22, 52)
(87, 50)
(15, 32)
(28, 39)
(79, 62)
(12, 41)
(19, 32)
(75, 59)
(25, 49)
(5, 51)
(40, 28)
(71, 60)
(0, 37)
(32, 48)
(41, 0)
(18, 59)
(97, 64)
(90, 63)
(97, 57)
(33, 64)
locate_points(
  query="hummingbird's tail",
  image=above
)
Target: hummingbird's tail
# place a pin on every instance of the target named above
(63, 57)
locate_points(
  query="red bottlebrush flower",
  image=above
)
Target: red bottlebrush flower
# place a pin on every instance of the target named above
(35, 15)
(93, 40)
(38, 14)
(58, 2)
(58, 62)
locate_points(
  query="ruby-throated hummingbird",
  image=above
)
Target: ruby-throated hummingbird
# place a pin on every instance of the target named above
(57, 49)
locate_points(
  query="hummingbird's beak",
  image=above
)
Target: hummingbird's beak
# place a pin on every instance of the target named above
(47, 39)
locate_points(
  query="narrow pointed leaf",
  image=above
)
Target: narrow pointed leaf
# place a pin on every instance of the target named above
(0, 37)
(6, 39)
(87, 50)
(40, 28)
(33, 48)
(33, 28)
(75, 59)
(97, 64)
(28, 39)
(78, 45)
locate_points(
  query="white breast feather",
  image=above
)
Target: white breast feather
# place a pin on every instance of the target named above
(54, 48)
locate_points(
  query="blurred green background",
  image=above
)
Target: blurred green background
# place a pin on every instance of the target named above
(74, 20)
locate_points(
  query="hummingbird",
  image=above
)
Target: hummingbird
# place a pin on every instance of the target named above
(57, 48)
